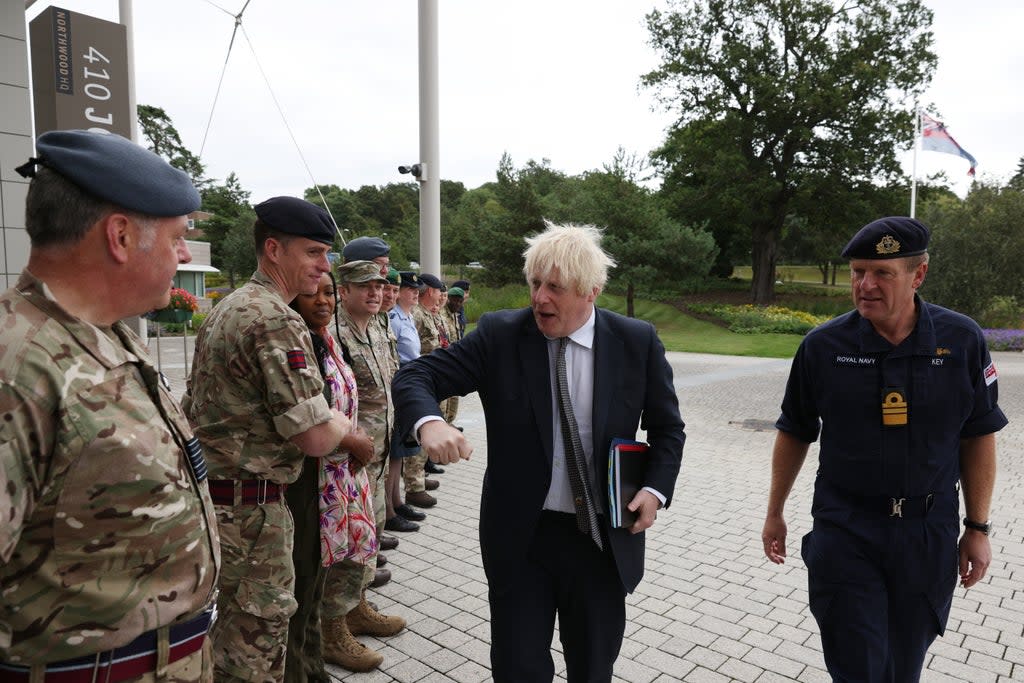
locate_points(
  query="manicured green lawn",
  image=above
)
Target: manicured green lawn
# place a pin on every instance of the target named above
(680, 332)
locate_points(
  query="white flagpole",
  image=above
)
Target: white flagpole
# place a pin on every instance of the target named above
(917, 143)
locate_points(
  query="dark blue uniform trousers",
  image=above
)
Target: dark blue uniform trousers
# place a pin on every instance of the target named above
(881, 587)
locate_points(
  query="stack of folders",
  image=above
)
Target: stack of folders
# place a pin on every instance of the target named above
(627, 465)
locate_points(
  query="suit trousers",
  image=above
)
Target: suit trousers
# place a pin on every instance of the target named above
(564, 573)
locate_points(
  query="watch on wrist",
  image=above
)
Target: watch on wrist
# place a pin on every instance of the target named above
(983, 527)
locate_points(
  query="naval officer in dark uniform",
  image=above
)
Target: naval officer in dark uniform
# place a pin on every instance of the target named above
(904, 394)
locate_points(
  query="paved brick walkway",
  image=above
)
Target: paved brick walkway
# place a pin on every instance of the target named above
(710, 608)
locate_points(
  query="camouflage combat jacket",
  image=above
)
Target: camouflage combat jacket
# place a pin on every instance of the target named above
(254, 385)
(429, 330)
(106, 527)
(451, 323)
(374, 369)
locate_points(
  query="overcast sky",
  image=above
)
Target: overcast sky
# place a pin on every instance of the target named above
(552, 79)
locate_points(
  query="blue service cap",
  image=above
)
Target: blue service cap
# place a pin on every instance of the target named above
(365, 249)
(116, 170)
(432, 281)
(410, 279)
(888, 238)
(294, 216)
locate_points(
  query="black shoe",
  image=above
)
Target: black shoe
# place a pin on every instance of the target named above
(400, 523)
(388, 542)
(420, 499)
(382, 560)
(380, 577)
(410, 513)
(432, 468)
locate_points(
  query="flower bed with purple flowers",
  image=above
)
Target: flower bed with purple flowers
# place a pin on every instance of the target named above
(1004, 340)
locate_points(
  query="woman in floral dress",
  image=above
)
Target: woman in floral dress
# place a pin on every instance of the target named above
(331, 501)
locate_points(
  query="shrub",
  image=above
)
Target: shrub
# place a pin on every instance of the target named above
(1004, 340)
(750, 319)
(1002, 312)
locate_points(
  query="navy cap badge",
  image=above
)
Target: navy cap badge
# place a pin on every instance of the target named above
(887, 245)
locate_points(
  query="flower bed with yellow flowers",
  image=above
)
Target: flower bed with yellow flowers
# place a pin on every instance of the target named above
(750, 319)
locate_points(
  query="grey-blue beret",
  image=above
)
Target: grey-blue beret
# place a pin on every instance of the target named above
(888, 238)
(114, 169)
(294, 216)
(365, 249)
(431, 281)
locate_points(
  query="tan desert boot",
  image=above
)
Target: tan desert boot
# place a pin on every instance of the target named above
(341, 647)
(364, 620)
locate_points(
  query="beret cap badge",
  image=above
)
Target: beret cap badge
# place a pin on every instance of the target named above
(888, 245)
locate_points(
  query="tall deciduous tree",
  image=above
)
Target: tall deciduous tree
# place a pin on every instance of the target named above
(771, 91)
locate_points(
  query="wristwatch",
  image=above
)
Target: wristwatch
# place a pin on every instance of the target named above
(983, 527)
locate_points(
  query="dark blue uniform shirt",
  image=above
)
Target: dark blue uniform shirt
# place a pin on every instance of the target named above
(844, 374)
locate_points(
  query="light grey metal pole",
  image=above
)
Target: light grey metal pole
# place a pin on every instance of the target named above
(430, 173)
(124, 11)
(126, 18)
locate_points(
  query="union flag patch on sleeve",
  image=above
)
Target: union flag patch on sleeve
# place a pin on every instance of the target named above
(990, 374)
(297, 359)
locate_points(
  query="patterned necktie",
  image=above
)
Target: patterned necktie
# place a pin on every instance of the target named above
(575, 461)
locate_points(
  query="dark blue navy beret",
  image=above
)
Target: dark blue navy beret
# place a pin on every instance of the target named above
(365, 249)
(114, 169)
(294, 216)
(462, 284)
(887, 238)
(410, 279)
(432, 281)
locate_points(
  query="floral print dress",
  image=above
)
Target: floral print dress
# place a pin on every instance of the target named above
(348, 527)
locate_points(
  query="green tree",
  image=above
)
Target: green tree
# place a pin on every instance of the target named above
(1017, 181)
(239, 248)
(976, 249)
(227, 203)
(520, 215)
(771, 91)
(654, 254)
(164, 139)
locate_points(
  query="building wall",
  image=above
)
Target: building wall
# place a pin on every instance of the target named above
(15, 139)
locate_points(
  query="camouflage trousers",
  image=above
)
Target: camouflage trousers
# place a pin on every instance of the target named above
(450, 409)
(257, 585)
(347, 580)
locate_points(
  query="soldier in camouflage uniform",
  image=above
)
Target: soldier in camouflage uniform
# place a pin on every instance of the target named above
(451, 313)
(345, 611)
(255, 398)
(432, 337)
(108, 540)
(377, 250)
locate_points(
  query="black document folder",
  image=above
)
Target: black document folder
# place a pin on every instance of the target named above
(627, 465)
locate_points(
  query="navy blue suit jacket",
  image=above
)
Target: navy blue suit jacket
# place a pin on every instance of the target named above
(505, 359)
